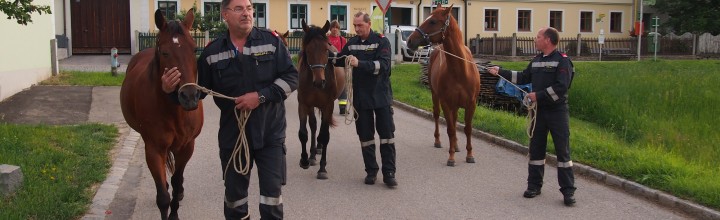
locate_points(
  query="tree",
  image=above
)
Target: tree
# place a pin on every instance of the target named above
(695, 16)
(20, 10)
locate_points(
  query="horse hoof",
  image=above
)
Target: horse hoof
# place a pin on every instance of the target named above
(322, 175)
(470, 160)
(437, 145)
(180, 196)
(451, 163)
(173, 216)
(304, 165)
(313, 162)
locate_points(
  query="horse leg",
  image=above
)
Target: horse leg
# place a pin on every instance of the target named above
(313, 145)
(451, 118)
(303, 135)
(469, 113)
(323, 139)
(182, 157)
(156, 163)
(436, 116)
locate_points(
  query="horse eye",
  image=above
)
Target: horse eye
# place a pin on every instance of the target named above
(165, 54)
(432, 22)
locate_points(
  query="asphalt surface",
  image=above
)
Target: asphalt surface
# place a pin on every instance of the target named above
(428, 189)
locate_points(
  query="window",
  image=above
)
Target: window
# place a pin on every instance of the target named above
(260, 15)
(339, 13)
(556, 20)
(524, 20)
(212, 9)
(616, 22)
(168, 9)
(586, 18)
(298, 13)
(491, 19)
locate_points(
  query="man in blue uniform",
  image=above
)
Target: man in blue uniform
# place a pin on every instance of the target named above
(550, 73)
(372, 97)
(253, 65)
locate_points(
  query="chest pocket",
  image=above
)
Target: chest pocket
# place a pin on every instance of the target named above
(266, 68)
(226, 76)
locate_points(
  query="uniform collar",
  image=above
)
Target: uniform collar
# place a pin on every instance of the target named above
(254, 35)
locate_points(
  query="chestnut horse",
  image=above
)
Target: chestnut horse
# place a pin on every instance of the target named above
(318, 88)
(168, 129)
(454, 82)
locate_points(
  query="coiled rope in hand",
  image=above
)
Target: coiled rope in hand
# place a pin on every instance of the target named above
(242, 148)
(351, 115)
(529, 104)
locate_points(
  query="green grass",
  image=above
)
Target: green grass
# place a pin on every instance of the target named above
(651, 122)
(76, 78)
(60, 165)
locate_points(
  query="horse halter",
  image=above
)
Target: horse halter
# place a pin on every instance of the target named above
(442, 30)
(318, 66)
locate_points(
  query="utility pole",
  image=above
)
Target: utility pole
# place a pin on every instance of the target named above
(656, 24)
(640, 30)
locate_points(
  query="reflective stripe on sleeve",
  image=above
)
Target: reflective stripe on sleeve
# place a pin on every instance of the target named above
(235, 204)
(284, 85)
(367, 143)
(565, 164)
(514, 76)
(552, 94)
(537, 162)
(270, 200)
(377, 67)
(267, 48)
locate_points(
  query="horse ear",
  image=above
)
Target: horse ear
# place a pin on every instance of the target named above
(286, 34)
(304, 26)
(159, 19)
(189, 18)
(326, 27)
(448, 10)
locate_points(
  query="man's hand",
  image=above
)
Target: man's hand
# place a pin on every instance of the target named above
(494, 70)
(249, 101)
(354, 62)
(170, 79)
(532, 97)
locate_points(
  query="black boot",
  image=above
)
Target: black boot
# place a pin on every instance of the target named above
(387, 153)
(342, 105)
(569, 199)
(371, 166)
(531, 193)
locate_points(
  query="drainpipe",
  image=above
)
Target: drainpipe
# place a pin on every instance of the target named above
(418, 13)
(465, 22)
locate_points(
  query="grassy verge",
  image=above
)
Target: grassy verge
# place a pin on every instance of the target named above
(60, 165)
(650, 122)
(76, 78)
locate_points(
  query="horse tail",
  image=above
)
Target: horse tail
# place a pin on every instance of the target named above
(170, 163)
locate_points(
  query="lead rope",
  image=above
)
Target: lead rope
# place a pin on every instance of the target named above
(531, 106)
(351, 115)
(241, 144)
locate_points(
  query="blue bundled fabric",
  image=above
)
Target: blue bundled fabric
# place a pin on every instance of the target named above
(505, 88)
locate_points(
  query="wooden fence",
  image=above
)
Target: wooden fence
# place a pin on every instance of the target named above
(589, 46)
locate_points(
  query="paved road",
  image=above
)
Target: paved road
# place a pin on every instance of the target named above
(489, 189)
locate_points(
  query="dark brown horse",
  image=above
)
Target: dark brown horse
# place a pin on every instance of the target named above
(168, 130)
(318, 88)
(454, 81)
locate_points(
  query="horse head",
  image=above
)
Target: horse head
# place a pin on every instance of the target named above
(315, 48)
(432, 30)
(175, 47)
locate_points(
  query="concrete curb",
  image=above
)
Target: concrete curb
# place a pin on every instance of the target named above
(633, 188)
(123, 151)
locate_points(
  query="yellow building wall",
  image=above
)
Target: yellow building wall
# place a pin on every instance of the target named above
(278, 13)
(25, 57)
(541, 18)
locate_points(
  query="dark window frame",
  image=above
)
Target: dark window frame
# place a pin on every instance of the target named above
(616, 23)
(295, 13)
(492, 19)
(556, 22)
(524, 20)
(260, 8)
(342, 18)
(586, 22)
(169, 15)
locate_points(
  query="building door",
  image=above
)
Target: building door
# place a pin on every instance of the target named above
(100, 25)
